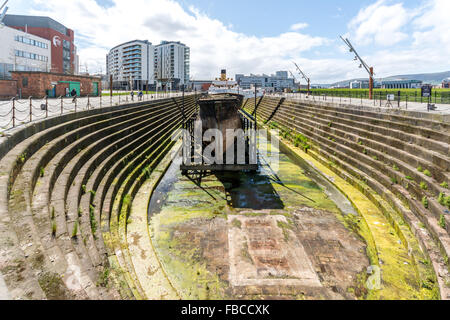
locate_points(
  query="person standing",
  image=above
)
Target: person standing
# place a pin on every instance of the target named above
(73, 93)
(132, 95)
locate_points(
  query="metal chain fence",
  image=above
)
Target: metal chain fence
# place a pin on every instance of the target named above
(16, 112)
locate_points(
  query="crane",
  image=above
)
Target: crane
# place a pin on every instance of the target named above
(362, 64)
(303, 76)
(2, 14)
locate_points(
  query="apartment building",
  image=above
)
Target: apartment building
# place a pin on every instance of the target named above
(172, 65)
(131, 65)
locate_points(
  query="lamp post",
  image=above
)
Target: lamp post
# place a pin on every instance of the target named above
(363, 64)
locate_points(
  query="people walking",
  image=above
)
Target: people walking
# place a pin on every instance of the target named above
(73, 93)
(141, 95)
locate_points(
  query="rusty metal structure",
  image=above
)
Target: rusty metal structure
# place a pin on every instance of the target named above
(222, 112)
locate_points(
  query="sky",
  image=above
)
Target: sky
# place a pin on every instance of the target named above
(261, 36)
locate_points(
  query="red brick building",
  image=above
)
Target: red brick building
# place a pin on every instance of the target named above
(8, 89)
(63, 49)
(41, 84)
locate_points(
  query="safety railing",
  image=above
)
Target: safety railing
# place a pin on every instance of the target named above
(17, 112)
(390, 101)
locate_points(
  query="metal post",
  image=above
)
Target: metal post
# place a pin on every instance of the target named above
(46, 106)
(62, 105)
(371, 84)
(14, 112)
(75, 104)
(111, 85)
(31, 110)
(88, 103)
(100, 101)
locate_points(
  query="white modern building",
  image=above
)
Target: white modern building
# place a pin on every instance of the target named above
(20, 51)
(172, 65)
(131, 65)
(278, 81)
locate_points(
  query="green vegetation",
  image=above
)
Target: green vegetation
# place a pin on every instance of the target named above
(395, 168)
(442, 223)
(413, 95)
(22, 158)
(423, 186)
(394, 180)
(236, 223)
(427, 173)
(54, 229)
(92, 192)
(53, 213)
(75, 230)
(409, 178)
(41, 172)
(103, 278)
(441, 198)
(444, 185)
(83, 189)
(92, 219)
(420, 169)
(128, 93)
(425, 202)
(375, 158)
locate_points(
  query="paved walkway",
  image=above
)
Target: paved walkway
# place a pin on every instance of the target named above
(410, 106)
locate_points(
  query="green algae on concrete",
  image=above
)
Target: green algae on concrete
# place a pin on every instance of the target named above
(401, 277)
(176, 224)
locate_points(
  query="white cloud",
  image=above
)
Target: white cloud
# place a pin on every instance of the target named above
(376, 31)
(299, 26)
(213, 45)
(381, 24)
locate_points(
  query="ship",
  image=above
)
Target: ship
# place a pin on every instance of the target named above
(224, 85)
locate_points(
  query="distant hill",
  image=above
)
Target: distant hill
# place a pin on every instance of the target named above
(431, 78)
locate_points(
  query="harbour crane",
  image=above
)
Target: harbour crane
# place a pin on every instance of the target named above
(362, 64)
(2, 14)
(303, 76)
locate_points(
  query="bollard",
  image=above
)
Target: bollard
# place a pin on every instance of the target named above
(62, 105)
(75, 104)
(46, 106)
(88, 103)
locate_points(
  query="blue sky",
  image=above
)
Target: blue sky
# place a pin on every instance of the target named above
(260, 36)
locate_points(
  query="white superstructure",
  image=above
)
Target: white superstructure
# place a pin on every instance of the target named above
(220, 86)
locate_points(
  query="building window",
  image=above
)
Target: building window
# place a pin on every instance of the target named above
(31, 42)
(32, 56)
(25, 82)
(5, 71)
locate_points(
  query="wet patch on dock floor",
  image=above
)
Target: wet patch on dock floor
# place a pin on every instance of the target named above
(255, 236)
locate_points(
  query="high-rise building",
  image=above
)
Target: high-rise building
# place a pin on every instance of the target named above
(172, 65)
(131, 65)
(60, 37)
